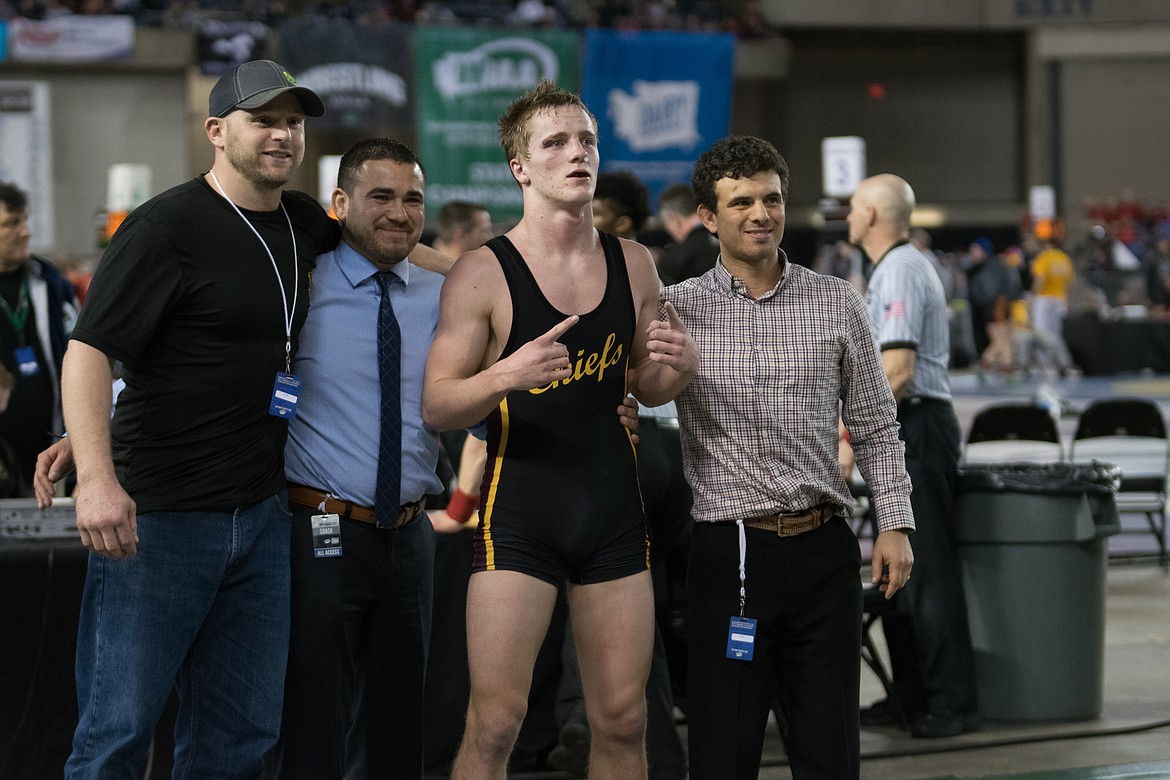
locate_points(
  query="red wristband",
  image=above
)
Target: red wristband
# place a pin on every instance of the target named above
(461, 505)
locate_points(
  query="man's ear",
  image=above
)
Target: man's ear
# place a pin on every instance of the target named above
(707, 217)
(518, 173)
(213, 126)
(340, 202)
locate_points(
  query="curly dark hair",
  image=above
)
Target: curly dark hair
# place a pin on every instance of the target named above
(627, 194)
(736, 157)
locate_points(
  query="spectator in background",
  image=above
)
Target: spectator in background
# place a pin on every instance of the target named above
(620, 204)
(37, 310)
(462, 227)
(1094, 256)
(1156, 265)
(978, 253)
(752, 22)
(1052, 277)
(921, 241)
(694, 249)
(955, 289)
(535, 13)
(992, 285)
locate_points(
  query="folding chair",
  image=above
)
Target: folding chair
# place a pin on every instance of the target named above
(1013, 432)
(1131, 433)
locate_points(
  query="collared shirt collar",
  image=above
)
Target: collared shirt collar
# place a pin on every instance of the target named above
(358, 269)
(736, 286)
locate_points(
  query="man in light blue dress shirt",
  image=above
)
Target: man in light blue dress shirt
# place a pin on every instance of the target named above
(361, 594)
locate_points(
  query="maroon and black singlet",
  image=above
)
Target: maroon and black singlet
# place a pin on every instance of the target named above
(560, 498)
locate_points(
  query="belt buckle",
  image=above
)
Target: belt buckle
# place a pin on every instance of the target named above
(780, 529)
(800, 522)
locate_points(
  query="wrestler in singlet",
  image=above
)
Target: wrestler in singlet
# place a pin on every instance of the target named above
(560, 498)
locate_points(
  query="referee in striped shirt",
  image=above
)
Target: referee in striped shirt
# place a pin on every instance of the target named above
(927, 634)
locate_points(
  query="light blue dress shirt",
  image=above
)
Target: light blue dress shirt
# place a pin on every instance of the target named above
(333, 440)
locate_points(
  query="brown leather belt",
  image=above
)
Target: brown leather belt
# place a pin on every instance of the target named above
(317, 499)
(792, 524)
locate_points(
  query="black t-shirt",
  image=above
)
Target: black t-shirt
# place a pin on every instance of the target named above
(187, 298)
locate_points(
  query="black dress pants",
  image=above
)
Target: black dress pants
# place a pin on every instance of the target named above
(805, 593)
(361, 627)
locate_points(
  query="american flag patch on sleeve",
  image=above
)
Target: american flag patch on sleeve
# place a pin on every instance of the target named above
(894, 309)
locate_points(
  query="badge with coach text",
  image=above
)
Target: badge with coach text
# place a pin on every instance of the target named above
(326, 536)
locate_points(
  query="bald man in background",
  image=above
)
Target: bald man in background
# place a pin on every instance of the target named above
(927, 633)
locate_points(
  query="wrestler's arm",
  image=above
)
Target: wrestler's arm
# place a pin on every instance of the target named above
(665, 357)
(464, 381)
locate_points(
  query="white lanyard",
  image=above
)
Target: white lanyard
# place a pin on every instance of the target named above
(288, 313)
(742, 566)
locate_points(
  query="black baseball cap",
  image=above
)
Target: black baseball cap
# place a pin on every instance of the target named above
(256, 83)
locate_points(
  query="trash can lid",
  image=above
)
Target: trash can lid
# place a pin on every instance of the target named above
(1094, 478)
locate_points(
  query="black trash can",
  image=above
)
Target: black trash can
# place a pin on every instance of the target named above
(1032, 544)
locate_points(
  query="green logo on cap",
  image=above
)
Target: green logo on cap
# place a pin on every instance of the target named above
(288, 77)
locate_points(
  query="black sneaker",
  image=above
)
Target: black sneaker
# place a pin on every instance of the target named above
(883, 712)
(944, 723)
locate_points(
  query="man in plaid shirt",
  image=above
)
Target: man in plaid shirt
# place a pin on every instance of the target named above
(774, 596)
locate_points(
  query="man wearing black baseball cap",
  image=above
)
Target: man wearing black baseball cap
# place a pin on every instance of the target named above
(201, 295)
(254, 84)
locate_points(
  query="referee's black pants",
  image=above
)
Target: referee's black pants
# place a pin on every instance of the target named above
(927, 632)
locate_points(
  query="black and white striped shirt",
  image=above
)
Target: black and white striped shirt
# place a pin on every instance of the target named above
(908, 309)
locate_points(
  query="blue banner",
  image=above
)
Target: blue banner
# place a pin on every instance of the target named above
(661, 100)
(3, 41)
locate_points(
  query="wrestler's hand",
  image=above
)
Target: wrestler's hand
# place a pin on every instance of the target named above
(445, 524)
(892, 559)
(671, 344)
(541, 361)
(107, 518)
(53, 465)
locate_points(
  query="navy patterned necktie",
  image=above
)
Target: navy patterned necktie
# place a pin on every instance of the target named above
(387, 501)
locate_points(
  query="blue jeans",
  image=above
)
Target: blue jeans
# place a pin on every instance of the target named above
(202, 607)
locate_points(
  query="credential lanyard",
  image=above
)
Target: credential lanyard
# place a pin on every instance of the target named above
(741, 633)
(742, 566)
(288, 312)
(19, 317)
